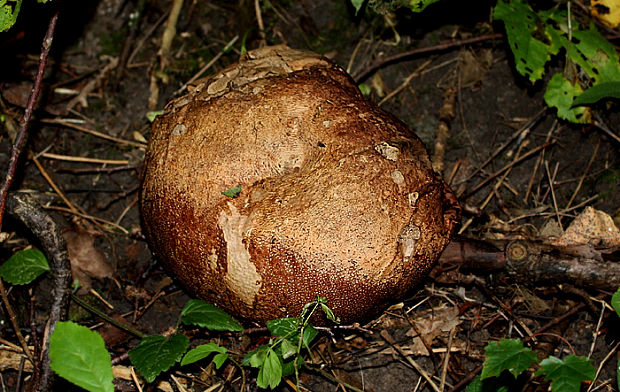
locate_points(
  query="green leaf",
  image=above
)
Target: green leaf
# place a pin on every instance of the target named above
(598, 92)
(364, 89)
(560, 94)
(202, 314)
(309, 334)
(203, 351)
(357, 4)
(492, 384)
(521, 24)
(329, 313)
(419, 5)
(566, 375)
(9, 9)
(475, 385)
(507, 354)
(24, 266)
(270, 373)
(288, 349)
(78, 355)
(615, 301)
(256, 357)
(152, 114)
(232, 192)
(283, 327)
(156, 354)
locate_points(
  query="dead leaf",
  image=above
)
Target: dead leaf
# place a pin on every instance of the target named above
(607, 11)
(86, 261)
(439, 321)
(474, 67)
(591, 227)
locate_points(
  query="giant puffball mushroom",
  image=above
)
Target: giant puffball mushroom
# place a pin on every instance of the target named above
(337, 197)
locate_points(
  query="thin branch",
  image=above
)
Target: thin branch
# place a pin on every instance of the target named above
(437, 48)
(24, 126)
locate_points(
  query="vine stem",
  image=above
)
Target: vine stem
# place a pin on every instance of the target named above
(24, 126)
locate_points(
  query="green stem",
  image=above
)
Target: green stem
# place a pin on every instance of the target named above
(107, 318)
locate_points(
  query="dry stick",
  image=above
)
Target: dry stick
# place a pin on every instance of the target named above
(166, 42)
(47, 232)
(551, 187)
(599, 124)
(22, 135)
(405, 82)
(261, 25)
(401, 56)
(508, 166)
(9, 310)
(603, 362)
(208, 65)
(446, 114)
(388, 338)
(541, 157)
(89, 131)
(84, 159)
(583, 176)
(444, 370)
(512, 137)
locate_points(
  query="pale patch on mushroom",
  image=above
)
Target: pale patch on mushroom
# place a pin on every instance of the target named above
(413, 198)
(179, 130)
(387, 151)
(241, 276)
(398, 177)
(406, 241)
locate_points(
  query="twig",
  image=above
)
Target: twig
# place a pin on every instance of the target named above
(84, 159)
(552, 188)
(18, 333)
(583, 176)
(24, 126)
(261, 25)
(444, 370)
(166, 42)
(539, 161)
(101, 315)
(405, 82)
(603, 362)
(388, 338)
(92, 84)
(208, 65)
(508, 166)
(446, 114)
(401, 56)
(67, 123)
(47, 232)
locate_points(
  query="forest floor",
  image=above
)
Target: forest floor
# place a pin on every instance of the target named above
(90, 85)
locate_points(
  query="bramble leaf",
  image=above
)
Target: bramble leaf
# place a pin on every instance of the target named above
(567, 374)
(156, 354)
(202, 314)
(78, 355)
(419, 5)
(24, 266)
(598, 92)
(615, 302)
(507, 354)
(9, 9)
(560, 94)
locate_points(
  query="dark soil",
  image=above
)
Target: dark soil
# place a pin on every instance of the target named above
(492, 102)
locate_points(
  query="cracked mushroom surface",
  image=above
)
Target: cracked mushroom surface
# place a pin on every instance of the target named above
(337, 199)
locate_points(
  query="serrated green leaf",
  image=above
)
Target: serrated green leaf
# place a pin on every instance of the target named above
(507, 354)
(232, 192)
(78, 355)
(419, 5)
(24, 267)
(357, 5)
(521, 24)
(8, 13)
(202, 314)
(283, 327)
(567, 374)
(598, 92)
(156, 354)
(615, 302)
(270, 373)
(203, 351)
(560, 94)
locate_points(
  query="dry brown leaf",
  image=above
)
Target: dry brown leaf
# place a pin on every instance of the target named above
(438, 322)
(607, 11)
(86, 261)
(591, 227)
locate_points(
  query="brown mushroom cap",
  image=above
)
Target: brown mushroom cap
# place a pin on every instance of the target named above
(338, 197)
